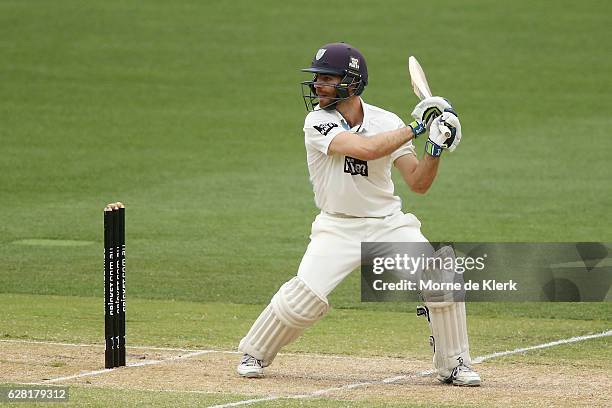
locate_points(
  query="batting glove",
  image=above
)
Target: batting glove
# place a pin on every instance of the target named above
(430, 108)
(438, 140)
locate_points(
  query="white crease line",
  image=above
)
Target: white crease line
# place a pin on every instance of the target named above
(86, 374)
(320, 392)
(541, 346)
(52, 343)
(393, 379)
(131, 365)
(314, 355)
(390, 380)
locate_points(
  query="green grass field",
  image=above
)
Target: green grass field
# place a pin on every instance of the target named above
(191, 114)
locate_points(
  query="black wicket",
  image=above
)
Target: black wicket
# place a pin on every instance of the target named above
(114, 285)
(122, 286)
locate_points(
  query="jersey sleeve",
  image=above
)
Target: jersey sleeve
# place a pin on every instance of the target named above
(319, 132)
(406, 148)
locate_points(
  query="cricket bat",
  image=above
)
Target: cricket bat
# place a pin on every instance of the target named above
(420, 85)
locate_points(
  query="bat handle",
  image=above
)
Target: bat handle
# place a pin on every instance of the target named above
(445, 130)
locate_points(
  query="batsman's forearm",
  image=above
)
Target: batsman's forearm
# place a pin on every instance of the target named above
(424, 174)
(383, 144)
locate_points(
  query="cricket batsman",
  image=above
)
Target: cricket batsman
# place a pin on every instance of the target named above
(350, 148)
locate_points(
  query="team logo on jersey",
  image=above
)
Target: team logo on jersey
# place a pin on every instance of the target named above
(325, 128)
(354, 63)
(355, 167)
(320, 53)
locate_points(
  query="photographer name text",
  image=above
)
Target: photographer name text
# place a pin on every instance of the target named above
(484, 285)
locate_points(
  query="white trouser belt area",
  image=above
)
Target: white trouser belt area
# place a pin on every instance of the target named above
(340, 215)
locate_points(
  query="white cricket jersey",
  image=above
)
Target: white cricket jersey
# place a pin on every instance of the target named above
(346, 185)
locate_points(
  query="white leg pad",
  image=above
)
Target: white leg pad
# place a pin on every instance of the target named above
(447, 322)
(292, 309)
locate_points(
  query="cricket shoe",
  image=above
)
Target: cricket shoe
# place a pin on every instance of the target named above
(462, 376)
(250, 367)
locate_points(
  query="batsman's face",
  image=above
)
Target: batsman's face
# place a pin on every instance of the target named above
(325, 87)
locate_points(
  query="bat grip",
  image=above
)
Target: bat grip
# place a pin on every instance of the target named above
(445, 130)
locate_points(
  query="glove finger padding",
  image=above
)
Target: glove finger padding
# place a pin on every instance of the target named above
(450, 119)
(430, 108)
(437, 133)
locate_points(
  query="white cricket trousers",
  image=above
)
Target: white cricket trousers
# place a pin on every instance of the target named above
(335, 245)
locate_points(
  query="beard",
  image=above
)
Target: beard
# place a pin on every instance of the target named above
(326, 101)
